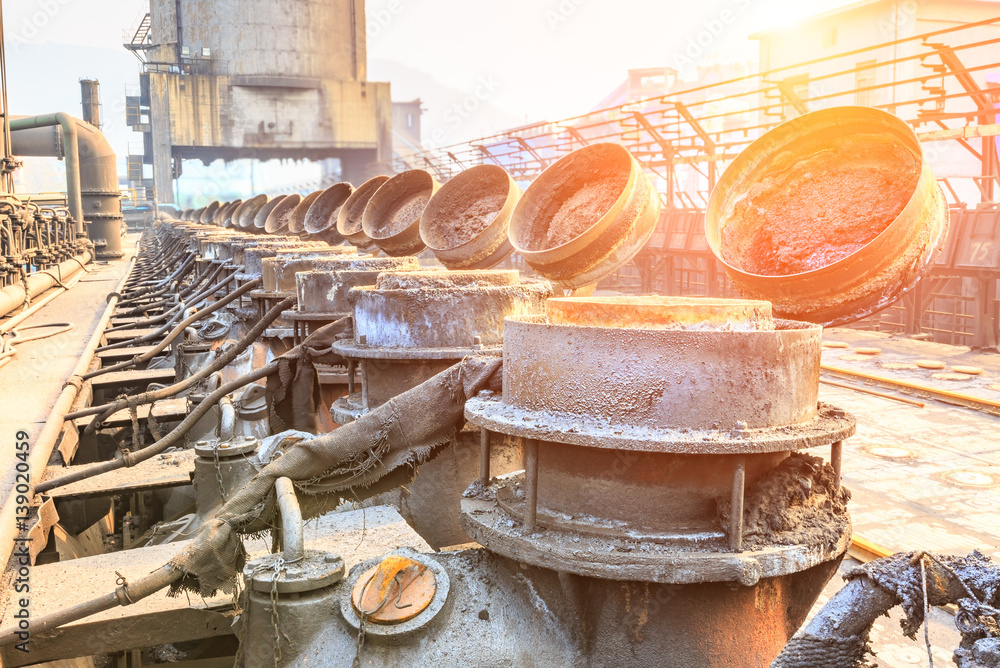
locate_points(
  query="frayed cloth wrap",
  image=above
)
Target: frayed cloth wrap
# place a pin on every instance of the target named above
(402, 432)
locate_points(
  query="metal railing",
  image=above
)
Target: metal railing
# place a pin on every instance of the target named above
(695, 132)
(685, 139)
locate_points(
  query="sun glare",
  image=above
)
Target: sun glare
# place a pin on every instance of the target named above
(785, 14)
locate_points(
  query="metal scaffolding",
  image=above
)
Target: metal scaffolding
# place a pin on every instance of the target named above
(685, 139)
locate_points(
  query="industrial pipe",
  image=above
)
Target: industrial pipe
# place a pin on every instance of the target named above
(177, 330)
(104, 411)
(91, 172)
(139, 456)
(227, 413)
(292, 540)
(13, 296)
(69, 150)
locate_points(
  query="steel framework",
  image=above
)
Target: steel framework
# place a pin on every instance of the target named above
(685, 139)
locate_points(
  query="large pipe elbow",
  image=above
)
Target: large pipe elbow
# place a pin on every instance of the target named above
(91, 169)
(98, 173)
(227, 420)
(69, 150)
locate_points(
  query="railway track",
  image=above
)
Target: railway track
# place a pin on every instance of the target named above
(910, 389)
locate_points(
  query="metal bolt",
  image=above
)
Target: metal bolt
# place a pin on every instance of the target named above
(836, 460)
(363, 339)
(531, 484)
(736, 506)
(484, 456)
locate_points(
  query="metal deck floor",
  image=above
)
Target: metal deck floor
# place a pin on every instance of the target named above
(921, 478)
(31, 382)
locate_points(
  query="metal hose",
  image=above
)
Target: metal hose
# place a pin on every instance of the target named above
(133, 458)
(106, 410)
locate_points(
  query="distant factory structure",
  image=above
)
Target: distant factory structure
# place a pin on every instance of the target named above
(255, 79)
(899, 76)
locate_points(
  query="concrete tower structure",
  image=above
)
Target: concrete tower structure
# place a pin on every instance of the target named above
(257, 79)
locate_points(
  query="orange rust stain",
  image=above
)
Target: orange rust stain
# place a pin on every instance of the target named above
(821, 208)
(396, 590)
(658, 312)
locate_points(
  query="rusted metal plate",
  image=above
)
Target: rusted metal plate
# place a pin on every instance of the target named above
(69, 441)
(38, 534)
(166, 470)
(165, 410)
(119, 379)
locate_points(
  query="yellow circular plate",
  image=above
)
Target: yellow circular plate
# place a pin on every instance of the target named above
(868, 351)
(951, 376)
(834, 344)
(898, 365)
(971, 370)
(929, 364)
(395, 591)
(855, 358)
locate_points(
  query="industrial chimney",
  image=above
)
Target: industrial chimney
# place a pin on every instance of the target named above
(90, 98)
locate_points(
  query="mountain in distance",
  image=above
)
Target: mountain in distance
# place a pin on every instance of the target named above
(451, 115)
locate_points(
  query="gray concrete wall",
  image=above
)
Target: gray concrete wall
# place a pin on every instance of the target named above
(322, 39)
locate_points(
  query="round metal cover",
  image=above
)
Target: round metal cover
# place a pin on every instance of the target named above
(396, 590)
(401, 627)
(239, 445)
(317, 570)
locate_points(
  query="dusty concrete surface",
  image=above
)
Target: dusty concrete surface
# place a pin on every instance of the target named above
(32, 381)
(920, 478)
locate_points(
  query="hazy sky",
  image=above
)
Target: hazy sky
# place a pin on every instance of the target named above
(539, 59)
(520, 60)
(555, 58)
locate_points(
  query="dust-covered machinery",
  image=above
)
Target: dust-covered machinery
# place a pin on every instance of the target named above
(617, 481)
